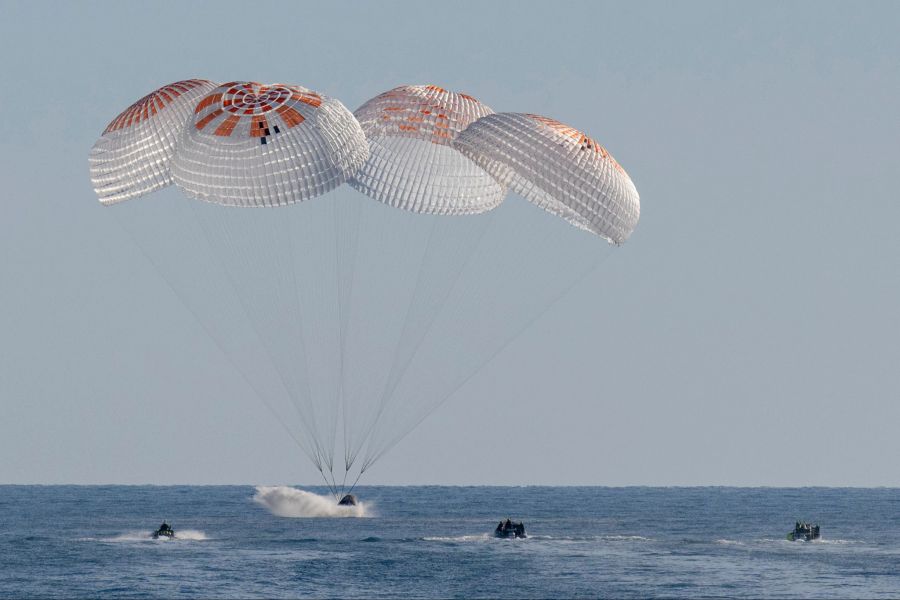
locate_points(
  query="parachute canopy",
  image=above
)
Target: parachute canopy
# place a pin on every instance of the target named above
(412, 163)
(134, 154)
(557, 168)
(267, 145)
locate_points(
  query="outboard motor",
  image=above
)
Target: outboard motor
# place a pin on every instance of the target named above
(348, 500)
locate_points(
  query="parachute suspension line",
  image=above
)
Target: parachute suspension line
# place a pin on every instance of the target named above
(228, 241)
(350, 491)
(212, 336)
(342, 326)
(331, 487)
(329, 276)
(346, 274)
(343, 483)
(593, 266)
(515, 249)
(390, 249)
(371, 308)
(399, 367)
(454, 315)
(349, 413)
(419, 277)
(298, 308)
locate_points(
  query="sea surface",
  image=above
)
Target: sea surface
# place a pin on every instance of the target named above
(436, 542)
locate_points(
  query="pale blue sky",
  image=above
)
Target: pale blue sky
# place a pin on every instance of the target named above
(747, 334)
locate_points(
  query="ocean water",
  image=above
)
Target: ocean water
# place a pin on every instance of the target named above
(239, 541)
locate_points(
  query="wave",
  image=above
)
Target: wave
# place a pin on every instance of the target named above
(284, 501)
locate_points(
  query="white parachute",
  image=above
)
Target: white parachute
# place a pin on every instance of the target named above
(351, 320)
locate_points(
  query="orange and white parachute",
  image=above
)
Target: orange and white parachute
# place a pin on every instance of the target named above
(412, 163)
(133, 156)
(557, 168)
(250, 144)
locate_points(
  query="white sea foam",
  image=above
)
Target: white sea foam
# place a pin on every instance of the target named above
(283, 501)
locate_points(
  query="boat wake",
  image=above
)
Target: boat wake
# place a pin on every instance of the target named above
(181, 535)
(591, 538)
(725, 542)
(284, 501)
(483, 537)
(787, 543)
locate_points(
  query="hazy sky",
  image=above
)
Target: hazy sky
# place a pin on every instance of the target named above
(747, 334)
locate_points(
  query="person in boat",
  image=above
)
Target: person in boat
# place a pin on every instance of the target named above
(507, 529)
(164, 531)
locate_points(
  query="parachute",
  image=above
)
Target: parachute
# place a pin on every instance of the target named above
(134, 155)
(557, 168)
(351, 319)
(413, 164)
(260, 145)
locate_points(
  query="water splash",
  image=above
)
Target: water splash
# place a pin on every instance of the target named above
(283, 501)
